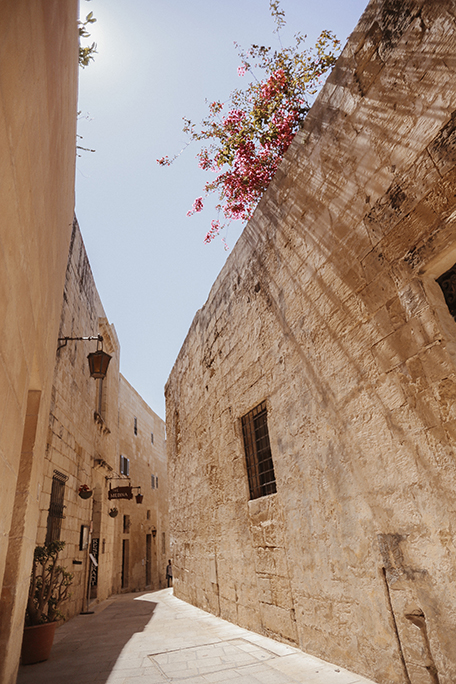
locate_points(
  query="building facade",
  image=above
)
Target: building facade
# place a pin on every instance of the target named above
(102, 438)
(38, 104)
(311, 410)
(142, 530)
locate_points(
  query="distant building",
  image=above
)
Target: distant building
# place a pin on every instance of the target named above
(142, 531)
(311, 412)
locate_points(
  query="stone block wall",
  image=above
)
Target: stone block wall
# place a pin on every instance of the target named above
(328, 309)
(87, 435)
(82, 444)
(142, 441)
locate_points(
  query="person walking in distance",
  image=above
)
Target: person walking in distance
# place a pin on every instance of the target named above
(169, 573)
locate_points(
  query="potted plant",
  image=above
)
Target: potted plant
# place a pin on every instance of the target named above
(85, 492)
(49, 588)
(113, 512)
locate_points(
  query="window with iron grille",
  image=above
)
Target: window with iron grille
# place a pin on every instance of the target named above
(260, 468)
(56, 506)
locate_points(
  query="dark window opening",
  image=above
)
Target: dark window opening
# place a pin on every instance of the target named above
(101, 399)
(447, 282)
(135, 427)
(124, 466)
(126, 524)
(152, 437)
(260, 468)
(56, 506)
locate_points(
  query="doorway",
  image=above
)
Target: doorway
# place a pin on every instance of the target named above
(148, 559)
(125, 562)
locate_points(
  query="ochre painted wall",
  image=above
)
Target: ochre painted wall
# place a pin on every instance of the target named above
(38, 97)
(328, 310)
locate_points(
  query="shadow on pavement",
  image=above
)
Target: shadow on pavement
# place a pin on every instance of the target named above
(87, 647)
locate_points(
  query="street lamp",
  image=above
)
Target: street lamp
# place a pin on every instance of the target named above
(98, 361)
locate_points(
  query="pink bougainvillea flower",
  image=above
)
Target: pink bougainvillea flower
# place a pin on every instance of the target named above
(245, 138)
(214, 231)
(197, 207)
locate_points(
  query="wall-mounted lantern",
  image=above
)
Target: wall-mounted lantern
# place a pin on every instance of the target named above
(154, 532)
(98, 361)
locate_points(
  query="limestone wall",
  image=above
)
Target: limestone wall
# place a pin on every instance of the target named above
(38, 94)
(147, 535)
(82, 444)
(328, 310)
(86, 437)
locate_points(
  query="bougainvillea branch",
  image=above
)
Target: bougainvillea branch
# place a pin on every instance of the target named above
(245, 138)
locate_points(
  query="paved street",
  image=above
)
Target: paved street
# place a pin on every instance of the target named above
(154, 638)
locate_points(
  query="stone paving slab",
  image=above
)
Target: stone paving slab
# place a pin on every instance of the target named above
(155, 638)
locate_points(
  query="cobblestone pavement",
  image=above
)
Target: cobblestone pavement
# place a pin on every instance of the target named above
(154, 638)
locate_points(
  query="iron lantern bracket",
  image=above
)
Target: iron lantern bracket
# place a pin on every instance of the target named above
(65, 340)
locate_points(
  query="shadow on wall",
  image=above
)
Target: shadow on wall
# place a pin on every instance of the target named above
(88, 647)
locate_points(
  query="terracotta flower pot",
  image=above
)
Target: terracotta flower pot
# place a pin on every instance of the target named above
(37, 643)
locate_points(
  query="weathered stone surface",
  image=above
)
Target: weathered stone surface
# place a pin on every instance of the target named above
(86, 437)
(328, 310)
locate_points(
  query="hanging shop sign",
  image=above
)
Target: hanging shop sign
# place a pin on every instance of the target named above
(120, 493)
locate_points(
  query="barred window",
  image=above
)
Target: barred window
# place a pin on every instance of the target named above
(124, 465)
(56, 506)
(260, 468)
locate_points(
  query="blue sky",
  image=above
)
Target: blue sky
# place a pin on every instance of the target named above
(158, 61)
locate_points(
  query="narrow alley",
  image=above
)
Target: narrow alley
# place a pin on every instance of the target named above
(152, 638)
